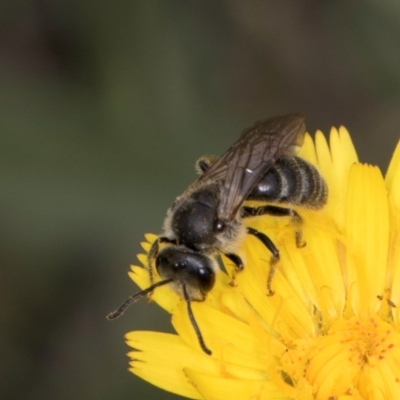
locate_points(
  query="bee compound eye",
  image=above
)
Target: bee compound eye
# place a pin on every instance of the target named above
(206, 278)
(176, 266)
(170, 260)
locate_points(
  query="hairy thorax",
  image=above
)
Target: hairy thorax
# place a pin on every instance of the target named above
(193, 222)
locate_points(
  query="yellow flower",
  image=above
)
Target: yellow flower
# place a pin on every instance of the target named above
(332, 329)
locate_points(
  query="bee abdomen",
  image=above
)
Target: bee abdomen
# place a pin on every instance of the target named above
(292, 181)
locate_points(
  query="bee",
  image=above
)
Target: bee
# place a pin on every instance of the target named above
(207, 219)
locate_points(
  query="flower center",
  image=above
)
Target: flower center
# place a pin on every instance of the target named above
(359, 357)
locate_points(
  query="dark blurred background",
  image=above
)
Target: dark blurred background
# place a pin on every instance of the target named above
(105, 106)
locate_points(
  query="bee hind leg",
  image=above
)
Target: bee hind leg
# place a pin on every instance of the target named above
(276, 211)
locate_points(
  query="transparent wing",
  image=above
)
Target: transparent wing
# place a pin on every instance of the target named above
(250, 157)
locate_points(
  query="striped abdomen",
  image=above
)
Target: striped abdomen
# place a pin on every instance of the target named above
(292, 181)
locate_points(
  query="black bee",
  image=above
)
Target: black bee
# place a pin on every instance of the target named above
(207, 219)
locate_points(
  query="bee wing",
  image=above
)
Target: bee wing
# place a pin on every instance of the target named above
(250, 157)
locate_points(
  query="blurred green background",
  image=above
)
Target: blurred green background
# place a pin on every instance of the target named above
(105, 106)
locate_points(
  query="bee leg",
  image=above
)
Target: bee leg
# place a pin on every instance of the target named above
(267, 242)
(153, 253)
(276, 211)
(236, 260)
(238, 265)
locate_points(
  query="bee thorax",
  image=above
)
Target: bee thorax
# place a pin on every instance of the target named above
(194, 218)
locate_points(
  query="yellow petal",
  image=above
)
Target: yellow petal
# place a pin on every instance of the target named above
(343, 157)
(393, 184)
(218, 388)
(392, 174)
(160, 359)
(229, 339)
(367, 230)
(308, 150)
(321, 264)
(293, 316)
(332, 327)
(392, 178)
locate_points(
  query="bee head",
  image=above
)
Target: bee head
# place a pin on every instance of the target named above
(189, 268)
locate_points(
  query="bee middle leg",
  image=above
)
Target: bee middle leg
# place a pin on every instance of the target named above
(237, 261)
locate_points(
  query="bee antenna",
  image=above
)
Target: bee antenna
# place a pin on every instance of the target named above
(118, 312)
(194, 324)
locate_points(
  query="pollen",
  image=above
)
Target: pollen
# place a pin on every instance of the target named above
(358, 357)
